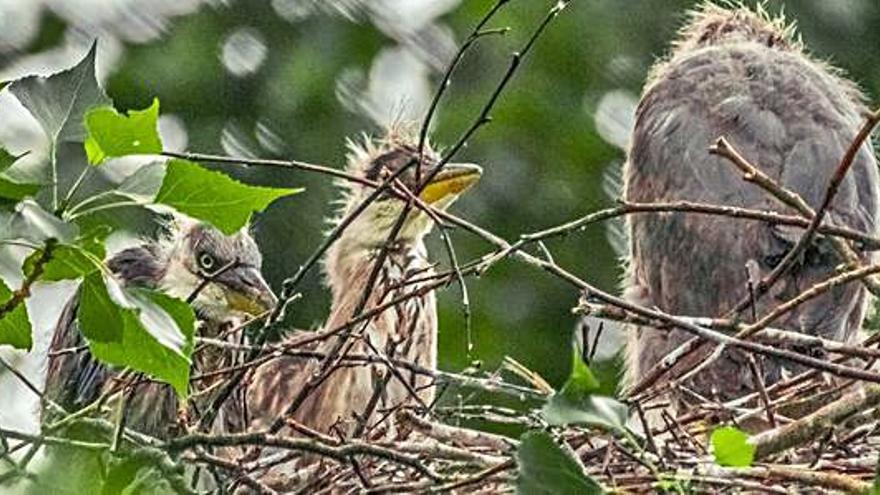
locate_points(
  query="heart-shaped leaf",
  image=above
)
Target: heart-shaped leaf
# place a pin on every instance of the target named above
(545, 468)
(144, 330)
(112, 134)
(59, 101)
(731, 447)
(579, 403)
(214, 197)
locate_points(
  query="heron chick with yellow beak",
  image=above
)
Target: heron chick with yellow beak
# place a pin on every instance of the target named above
(353, 395)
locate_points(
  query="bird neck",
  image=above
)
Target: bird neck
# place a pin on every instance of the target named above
(349, 266)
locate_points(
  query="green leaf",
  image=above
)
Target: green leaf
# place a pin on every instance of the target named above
(144, 330)
(70, 261)
(214, 197)
(59, 101)
(15, 326)
(112, 134)
(30, 222)
(731, 447)
(143, 185)
(10, 188)
(545, 468)
(7, 159)
(579, 403)
(99, 318)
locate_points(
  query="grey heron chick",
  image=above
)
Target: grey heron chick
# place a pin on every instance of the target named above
(742, 75)
(177, 264)
(408, 329)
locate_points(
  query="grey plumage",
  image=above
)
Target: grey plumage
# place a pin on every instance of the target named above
(175, 265)
(739, 74)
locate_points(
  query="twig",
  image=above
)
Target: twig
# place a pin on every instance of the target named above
(24, 291)
(455, 434)
(338, 452)
(867, 241)
(809, 427)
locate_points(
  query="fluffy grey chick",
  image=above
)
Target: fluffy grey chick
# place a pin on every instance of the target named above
(739, 74)
(175, 265)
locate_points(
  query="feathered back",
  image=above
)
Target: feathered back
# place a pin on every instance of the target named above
(715, 23)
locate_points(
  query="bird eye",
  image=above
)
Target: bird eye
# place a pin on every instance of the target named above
(206, 261)
(773, 260)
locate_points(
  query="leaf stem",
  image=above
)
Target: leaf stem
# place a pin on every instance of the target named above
(76, 185)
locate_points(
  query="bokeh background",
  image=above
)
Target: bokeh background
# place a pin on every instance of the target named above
(296, 78)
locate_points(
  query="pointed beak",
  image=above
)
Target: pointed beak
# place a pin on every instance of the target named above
(453, 179)
(247, 291)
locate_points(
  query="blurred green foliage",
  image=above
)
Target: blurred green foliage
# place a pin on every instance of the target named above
(542, 155)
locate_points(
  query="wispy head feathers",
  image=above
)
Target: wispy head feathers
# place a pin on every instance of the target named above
(731, 22)
(367, 156)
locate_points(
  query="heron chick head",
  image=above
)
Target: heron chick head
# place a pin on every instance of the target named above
(396, 156)
(219, 274)
(714, 24)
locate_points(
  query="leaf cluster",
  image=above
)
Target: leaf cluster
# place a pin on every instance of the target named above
(135, 328)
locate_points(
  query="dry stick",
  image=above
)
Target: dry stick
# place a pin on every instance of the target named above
(233, 467)
(811, 426)
(746, 332)
(24, 291)
(380, 384)
(484, 384)
(456, 435)
(771, 217)
(717, 337)
(767, 472)
(288, 164)
(207, 278)
(475, 35)
(483, 476)
(762, 390)
(705, 333)
(338, 452)
(766, 335)
(690, 346)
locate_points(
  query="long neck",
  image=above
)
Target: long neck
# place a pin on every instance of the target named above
(349, 267)
(408, 330)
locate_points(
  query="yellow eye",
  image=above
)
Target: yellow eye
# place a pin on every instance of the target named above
(206, 261)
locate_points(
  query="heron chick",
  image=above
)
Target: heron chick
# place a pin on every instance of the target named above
(223, 272)
(742, 75)
(406, 330)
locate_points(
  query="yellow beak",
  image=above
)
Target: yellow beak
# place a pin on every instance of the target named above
(452, 180)
(247, 304)
(248, 293)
